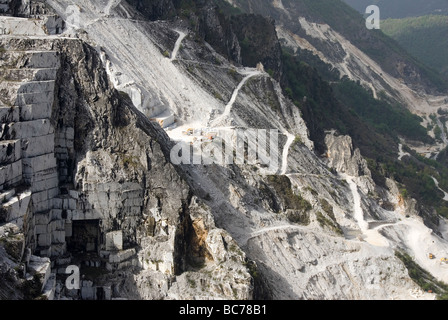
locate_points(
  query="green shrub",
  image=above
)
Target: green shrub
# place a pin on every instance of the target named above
(283, 189)
(422, 277)
(325, 222)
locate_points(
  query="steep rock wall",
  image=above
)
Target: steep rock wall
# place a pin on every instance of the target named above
(85, 156)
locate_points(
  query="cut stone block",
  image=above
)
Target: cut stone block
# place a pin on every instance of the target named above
(50, 287)
(60, 143)
(114, 240)
(132, 211)
(53, 24)
(107, 293)
(37, 86)
(42, 218)
(135, 202)
(10, 151)
(42, 206)
(45, 251)
(58, 237)
(39, 163)
(44, 240)
(70, 133)
(24, 99)
(22, 27)
(100, 199)
(37, 146)
(5, 196)
(72, 204)
(4, 6)
(39, 183)
(121, 256)
(40, 59)
(165, 120)
(88, 293)
(9, 114)
(58, 225)
(31, 74)
(11, 174)
(39, 196)
(57, 203)
(53, 192)
(29, 129)
(90, 214)
(74, 194)
(41, 229)
(62, 261)
(68, 229)
(65, 204)
(41, 266)
(35, 111)
(104, 254)
(70, 144)
(58, 249)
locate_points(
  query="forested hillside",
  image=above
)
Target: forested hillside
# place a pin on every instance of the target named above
(423, 37)
(403, 8)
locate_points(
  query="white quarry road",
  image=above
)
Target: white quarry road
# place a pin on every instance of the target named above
(249, 73)
(354, 65)
(182, 35)
(262, 231)
(285, 154)
(418, 239)
(358, 213)
(401, 153)
(444, 192)
(443, 128)
(111, 4)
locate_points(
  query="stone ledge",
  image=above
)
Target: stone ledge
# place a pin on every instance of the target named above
(24, 99)
(39, 163)
(5, 196)
(31, 74)
(37, 146)
(41, 266)
(114, 240)
(30, 129)
(50, 287)
(10, 151)
(37, 87)
(36, 59)
(11, 174)
(36, 111)
(9, 114)
(121, 256)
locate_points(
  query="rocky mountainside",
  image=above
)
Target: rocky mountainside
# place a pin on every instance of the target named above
(423, 37)
(334, 66)
(94, 115)
(90, 158)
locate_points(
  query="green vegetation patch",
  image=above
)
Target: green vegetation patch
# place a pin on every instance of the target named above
(325, 222)
(295, 206)
(380, 114)
(422, 277)
(283, 189)
(424, 37)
